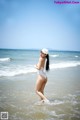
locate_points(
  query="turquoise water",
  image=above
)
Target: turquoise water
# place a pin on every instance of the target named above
(17, 85)
(17, 62)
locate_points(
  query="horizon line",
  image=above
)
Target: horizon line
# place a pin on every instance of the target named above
(38, 49)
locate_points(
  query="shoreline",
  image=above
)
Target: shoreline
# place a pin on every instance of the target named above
(19, 99)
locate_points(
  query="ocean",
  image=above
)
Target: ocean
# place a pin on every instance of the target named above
(17, 85)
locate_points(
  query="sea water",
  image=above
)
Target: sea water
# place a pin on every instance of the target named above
(17, 85)
(16, 62)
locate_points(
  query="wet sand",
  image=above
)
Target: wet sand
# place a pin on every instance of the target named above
(18, 97)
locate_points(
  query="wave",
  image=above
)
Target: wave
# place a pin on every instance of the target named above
(4, 59)
(19, 70)
(54, 55)
(76, 56)
(64, 65)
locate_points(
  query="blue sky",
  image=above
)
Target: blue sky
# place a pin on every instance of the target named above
(37, 24)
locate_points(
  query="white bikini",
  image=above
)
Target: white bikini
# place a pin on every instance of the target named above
(42, 73)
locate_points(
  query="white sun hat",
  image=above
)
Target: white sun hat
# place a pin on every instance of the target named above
(45, 51)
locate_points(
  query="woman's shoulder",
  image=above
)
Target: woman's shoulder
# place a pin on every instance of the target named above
(41, 59)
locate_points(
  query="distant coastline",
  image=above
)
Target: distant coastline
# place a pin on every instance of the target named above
(38, 49)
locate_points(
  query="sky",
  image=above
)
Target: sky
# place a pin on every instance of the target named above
(37, 24)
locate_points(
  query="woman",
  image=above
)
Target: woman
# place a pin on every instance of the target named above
(42, 78)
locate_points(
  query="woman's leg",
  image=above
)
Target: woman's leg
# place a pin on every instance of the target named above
(39, 84)
(43, 86)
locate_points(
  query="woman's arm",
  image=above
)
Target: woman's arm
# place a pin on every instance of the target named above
(36, 66)
(39, 65)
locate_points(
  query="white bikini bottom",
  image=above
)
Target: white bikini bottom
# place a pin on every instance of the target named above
(42, 73)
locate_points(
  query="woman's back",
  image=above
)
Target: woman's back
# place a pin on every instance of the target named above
(41, 62)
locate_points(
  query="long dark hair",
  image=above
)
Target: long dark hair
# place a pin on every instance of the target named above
(47, 62)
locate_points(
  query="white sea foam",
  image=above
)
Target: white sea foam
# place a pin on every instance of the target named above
(19, 70)
(56, 102)
(76, 56)
(64, 65)
(54, 55)
(4, 59)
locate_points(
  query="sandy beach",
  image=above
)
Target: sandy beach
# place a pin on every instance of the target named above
(18, 98)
